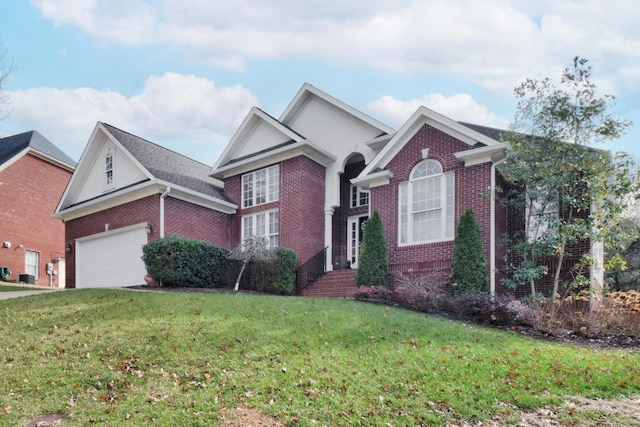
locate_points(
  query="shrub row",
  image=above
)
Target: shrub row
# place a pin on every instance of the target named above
(182, 262)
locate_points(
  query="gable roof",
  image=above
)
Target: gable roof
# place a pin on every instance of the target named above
(234, 161)
(424, 116)
(160, 169)
(13, 146)
(169, 166)
(308, 91)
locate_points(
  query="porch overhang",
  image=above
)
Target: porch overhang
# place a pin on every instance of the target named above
(373, 180)
(492, 153)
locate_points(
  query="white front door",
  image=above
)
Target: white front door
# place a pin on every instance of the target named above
(355, 230)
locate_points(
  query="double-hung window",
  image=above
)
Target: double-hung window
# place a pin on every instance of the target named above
(31, 262)
(262, 224)
(261, 186)
(426, 205)
(542, 212)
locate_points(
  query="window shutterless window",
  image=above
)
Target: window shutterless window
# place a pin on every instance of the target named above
(359, 197)
(108, 168)
(262, 224)
(426, 205)
(31, 263)
(261, 186)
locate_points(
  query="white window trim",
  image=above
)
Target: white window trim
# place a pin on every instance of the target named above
(37, 264)
(268, 233)
(445, 208)
(271, 192)
(355, 203)
(109, 184)
(545, 214)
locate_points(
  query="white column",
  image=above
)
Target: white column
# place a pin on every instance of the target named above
(328, 237)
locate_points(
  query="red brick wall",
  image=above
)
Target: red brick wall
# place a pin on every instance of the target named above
(30, 190)
(196, 222)
(181, 219)
(301, 207)
(471, 183)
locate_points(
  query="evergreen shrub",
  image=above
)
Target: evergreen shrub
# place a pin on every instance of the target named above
(182, 262)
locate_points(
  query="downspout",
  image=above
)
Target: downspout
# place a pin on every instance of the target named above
(492, 237)
(162, 197)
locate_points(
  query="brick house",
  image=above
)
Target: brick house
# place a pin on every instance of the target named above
(307, 180)
(33, 175)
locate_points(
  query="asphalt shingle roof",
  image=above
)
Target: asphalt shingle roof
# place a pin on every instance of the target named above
(168, 165)
(10, 146)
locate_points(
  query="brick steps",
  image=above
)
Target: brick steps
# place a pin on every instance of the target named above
(333, 284)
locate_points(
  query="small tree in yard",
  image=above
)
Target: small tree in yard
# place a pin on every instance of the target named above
(556, 179)
(469, 265)
(373, 264)
(255, 248)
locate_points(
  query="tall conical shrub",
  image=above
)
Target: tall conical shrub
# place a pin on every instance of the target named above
(373, 263)
(469, 265)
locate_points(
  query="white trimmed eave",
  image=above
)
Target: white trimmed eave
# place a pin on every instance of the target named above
(302, 148)
(424, 116)
(246, 128)
(373, 180)
(480, 155)
(38, 154)
(139, 191)
(378, 143)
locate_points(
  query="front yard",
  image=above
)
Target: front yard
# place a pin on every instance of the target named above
(118, 357)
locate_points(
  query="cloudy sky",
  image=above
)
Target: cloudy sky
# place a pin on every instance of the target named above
(184, 73)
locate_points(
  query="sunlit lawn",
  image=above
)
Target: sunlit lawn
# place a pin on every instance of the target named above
(117, 357)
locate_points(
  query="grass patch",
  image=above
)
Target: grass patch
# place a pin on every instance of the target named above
(111, 357)
(13, 288)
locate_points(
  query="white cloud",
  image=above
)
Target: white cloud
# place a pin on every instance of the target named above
(460, 107)
(495, 43)
(188, 114)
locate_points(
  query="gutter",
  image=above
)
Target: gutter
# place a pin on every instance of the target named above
(162, 197)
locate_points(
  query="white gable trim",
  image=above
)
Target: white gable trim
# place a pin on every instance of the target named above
(289, 151)
(90, 153)
(424, 116)
(38, 154)
(307, 91)
(248, 126)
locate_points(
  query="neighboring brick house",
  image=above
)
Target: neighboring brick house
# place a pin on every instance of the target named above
(307, 181)
(33, 175)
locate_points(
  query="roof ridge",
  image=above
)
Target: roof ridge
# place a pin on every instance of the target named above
(156, 145)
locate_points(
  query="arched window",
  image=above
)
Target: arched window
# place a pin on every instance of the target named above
(426, 205)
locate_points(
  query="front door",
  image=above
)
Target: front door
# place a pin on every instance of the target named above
(355, 230)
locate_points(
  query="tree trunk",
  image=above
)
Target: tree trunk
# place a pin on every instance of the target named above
(237, 286)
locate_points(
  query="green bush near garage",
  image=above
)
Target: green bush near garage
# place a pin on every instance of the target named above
(182, 262)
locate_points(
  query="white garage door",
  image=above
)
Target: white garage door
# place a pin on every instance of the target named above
(111, 259)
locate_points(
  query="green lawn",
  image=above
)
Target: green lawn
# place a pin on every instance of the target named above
(11, 288)
(111, 357)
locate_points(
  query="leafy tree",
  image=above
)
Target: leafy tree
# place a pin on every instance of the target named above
(373, 264)
(469, 265)
(555, 176)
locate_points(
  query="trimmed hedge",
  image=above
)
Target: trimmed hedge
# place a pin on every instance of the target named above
(182, 262)
(285, 276)
(373, 264)
(468, 265)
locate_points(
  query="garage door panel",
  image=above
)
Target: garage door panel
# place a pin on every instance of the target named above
(112, 259)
